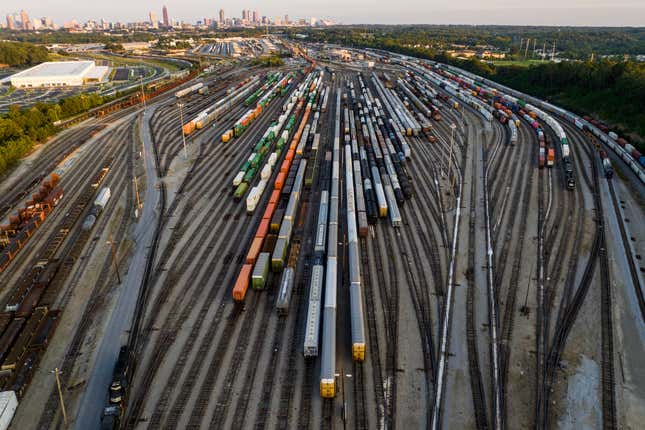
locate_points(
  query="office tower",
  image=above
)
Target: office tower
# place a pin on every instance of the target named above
(25, 20)
(166, 21)
(153, 20)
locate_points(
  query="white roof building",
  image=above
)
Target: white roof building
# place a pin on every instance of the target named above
(59, 74)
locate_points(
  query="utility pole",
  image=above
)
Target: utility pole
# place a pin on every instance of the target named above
(526, 50)
(533, 53)
(553, 51)
(114, 260)
(60, 394)
(544, 51)
(183, 135)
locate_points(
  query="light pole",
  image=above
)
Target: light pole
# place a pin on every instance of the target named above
(57, 373)
(183, 135)
(447, 164)
(452, 134)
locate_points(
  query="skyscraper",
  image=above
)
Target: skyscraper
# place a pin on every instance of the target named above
(153, 20)
(25, 20)
(286, 20)
(166, 21)
(255, 16)
(10, 23)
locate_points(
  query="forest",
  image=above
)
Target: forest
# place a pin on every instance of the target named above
(570, 42)
(16, 54)
(21, 129)
(610, 88)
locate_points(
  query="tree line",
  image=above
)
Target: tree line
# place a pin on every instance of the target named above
(21, 129)
(16, 54)
(610, 89)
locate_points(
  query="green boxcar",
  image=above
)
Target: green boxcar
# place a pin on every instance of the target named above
(260, 271)
(309, 174)
(256, 160)
(249, 175)
(258, 145)
(280, 143)
(246, 166)
(241, 189)
(238, 130)
(279, 255)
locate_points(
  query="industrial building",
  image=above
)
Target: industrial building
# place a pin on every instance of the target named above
(60, 74)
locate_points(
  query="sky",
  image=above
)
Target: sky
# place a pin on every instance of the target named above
(543, 12)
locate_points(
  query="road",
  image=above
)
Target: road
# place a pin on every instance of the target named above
(96, 393)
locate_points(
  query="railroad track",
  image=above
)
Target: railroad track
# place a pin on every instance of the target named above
(177, 408)
(522, 198)
(597, 253)
(474, 372)
(165, 291)
(50, 412)
(51, 155)
(372, 331)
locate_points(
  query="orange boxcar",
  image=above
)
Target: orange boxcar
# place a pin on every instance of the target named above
(268, 212)
(284, 167)
(256, 246)
(263, 229)
(279, 181)
(242, 283)
(275, 198)
(290, 155)
(189, 127)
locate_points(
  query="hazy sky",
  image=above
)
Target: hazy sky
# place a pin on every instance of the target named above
(543, 12)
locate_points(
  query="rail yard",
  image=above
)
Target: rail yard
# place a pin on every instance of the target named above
(388, 243)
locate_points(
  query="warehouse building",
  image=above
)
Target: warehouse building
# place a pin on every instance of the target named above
(60, 74)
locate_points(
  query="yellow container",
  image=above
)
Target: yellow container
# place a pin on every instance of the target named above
(358, 351)
(327, 388)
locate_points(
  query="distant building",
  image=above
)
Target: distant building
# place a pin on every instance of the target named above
(166, 21)
(153, 20)
(24, 17)
(286, 20)
(255, 16)
(221, 16)
(60, 74)
(10, 24)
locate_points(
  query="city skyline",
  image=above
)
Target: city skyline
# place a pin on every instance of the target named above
(550, 12)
